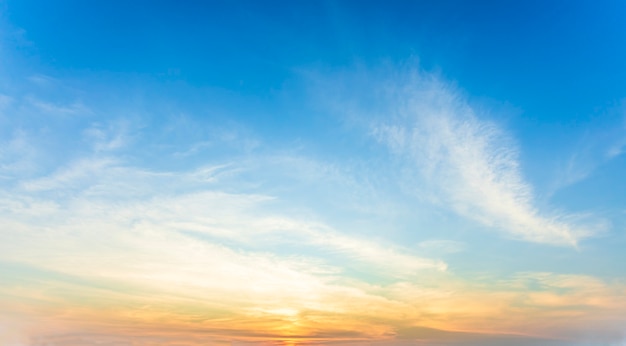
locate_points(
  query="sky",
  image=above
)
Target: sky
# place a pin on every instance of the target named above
(282, 173)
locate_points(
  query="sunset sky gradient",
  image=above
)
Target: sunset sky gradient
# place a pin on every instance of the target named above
(386, 173)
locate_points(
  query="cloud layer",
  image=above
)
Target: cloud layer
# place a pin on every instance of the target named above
(103, 245)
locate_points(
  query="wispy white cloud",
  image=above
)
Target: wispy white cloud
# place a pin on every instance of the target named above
(55, 109)
(44, 81)
(616, 150)
(467, 161)
(194, 149)
(70, 176)
(102, 192)
(598, 145)
(111, 136)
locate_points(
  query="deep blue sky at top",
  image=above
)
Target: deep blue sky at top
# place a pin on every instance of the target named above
(562, 57)
(561, 63)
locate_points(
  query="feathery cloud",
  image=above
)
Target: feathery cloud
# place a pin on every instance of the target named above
(469, 161)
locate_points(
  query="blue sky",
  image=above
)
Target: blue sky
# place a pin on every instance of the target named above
(312, 172)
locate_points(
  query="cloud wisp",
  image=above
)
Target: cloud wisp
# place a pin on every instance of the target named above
(466, 162)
